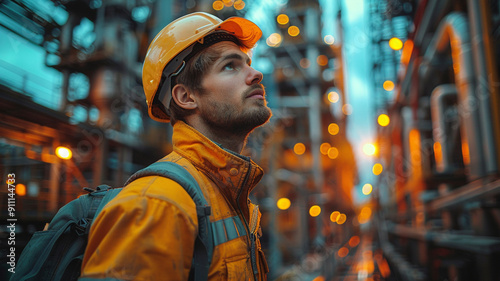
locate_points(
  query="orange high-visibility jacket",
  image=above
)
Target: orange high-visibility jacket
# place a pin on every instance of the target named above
(148, 231)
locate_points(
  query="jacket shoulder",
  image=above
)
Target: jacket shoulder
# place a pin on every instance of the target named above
(156, 189)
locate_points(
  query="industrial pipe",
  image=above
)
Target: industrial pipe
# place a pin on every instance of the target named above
(454, 32)
(440, 100)
(486, 75)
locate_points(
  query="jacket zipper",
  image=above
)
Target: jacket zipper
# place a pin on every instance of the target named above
(251, 235)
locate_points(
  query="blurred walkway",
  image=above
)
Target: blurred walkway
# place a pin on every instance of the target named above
(366, 263)
(358, 260)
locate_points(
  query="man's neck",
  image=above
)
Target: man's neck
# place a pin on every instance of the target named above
(229, 140)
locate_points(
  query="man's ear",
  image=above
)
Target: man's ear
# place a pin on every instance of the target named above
(183, 97)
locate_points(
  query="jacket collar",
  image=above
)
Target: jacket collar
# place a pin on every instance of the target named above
(236, 175)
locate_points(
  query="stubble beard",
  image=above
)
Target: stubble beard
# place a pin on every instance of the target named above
(224, 118)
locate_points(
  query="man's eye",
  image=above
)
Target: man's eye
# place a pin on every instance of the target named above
(229, 66)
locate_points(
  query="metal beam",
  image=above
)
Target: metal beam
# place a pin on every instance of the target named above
(476, 190)
(470, 243)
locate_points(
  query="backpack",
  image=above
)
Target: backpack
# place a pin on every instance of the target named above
(57, 253)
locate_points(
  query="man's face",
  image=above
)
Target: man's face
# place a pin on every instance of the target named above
(232, 98)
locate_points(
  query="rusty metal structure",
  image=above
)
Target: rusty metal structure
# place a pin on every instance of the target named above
(97, 49)
(438, 215)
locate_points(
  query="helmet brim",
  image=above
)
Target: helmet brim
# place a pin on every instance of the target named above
(247, 32)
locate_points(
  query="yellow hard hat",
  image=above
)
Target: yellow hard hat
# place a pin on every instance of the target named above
(166, 53)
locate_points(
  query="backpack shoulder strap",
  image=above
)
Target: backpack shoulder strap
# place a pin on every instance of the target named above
(101, 196)
(174, 172)
(202, 256)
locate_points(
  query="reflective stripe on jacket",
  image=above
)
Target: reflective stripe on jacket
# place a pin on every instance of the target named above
(148, 231)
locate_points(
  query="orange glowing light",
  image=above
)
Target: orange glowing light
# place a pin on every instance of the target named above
(416, 153)
(388, 85)
(366, 211)
(64, 153)
(369, 266)
(334, 215)
(322, 60)
(383, 120)
(438, 154)
(333, 153)
(239, 5)
(282, 19)
(323, 148)
(333, 129)
(314, 211)
(20, 189)
(377, 169)
(383, 266)
(217, 5)
(407, 50)
(354, 241)
(343, 252)
(333, 97)
(283, 203)
(341, 218)
(293, 31)
(299, 148)
(365, 215)
(395, 44)
(465, 153)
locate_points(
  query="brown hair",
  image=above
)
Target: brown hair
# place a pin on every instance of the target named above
(193, 73)
(191, 77)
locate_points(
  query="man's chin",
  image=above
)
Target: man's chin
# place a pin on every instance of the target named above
(264, 116)
(253, 120)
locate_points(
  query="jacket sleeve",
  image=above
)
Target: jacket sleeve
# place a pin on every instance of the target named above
(146, 233)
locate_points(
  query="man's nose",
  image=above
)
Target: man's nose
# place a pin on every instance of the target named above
(254, 76)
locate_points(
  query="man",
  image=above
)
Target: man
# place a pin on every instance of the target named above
(197, 75)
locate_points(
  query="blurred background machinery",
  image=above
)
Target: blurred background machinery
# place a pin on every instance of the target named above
(437, 201)
(72, 115)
